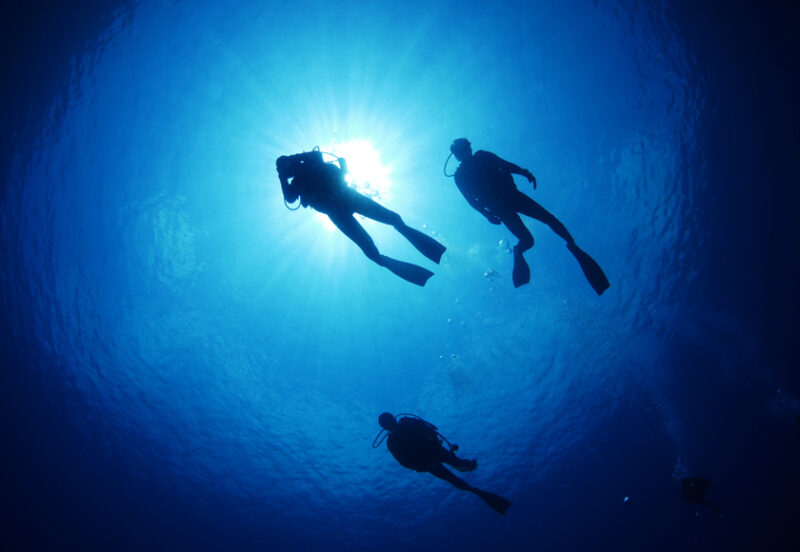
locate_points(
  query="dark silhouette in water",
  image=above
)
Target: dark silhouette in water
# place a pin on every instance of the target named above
(417, 445)
(694, 490)
(485, 181)
(322, 186)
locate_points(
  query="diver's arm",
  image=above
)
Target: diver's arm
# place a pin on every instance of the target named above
(289, 193)
(516, 169)
(285, 167)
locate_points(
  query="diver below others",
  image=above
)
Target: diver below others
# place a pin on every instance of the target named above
(694, 489)
(486, 183)
(322, 186)
(417, 445)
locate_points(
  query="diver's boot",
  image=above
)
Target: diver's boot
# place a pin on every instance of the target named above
(424, 243)
(591, 269)
(521, 274)
(497, 502)
(407, 271)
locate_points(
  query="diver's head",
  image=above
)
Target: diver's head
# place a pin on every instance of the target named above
(291, 165)
(387, 421)
(282, 164)
(461, 149)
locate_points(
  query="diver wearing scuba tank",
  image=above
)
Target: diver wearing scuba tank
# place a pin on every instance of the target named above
(417, 445)
(486, 182)
(322, 186)
(313, 180)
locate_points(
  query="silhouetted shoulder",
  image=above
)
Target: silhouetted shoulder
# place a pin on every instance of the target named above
(479, 167)
(487, 157)
(416, 426)
(488, 163)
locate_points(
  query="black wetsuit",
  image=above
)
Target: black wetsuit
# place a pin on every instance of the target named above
(486, 183)
(322, 186)
(416, 445)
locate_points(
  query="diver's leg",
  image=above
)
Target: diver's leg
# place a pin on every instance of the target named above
(531, 208)
(716, 508)
(443, 473)
(521, 273)
(496, 502)
(449, 457)
(592, 271)
(374, 210)
(353, 230)
(514, 223)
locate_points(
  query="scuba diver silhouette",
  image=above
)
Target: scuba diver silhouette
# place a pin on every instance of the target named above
(322, 186)
(485, 181)
(694, 490)
(417, 445)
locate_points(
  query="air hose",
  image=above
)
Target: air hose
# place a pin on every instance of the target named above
(446, 161)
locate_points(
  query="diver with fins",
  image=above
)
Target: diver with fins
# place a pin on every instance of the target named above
(322, 186)
(417, 445)
(486, 182)
(694, 490)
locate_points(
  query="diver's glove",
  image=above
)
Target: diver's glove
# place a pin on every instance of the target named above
(529, 175)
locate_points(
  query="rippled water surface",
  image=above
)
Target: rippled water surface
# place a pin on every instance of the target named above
(190, 365)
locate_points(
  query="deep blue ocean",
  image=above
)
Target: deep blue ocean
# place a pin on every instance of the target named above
(189, 365)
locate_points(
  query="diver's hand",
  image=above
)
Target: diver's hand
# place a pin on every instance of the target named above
(529, 175)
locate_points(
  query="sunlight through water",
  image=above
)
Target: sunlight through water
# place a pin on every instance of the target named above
(218, 362)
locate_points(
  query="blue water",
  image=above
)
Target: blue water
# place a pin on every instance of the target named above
(188, 365)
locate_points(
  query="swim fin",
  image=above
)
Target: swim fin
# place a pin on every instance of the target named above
(694, 490)
(496, 502)
(407, 271)
(521, 274)
(591, 269)
(424, 243)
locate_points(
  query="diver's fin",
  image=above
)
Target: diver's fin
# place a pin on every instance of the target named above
(497, 502)
(521, 274)
(591, 269)
(407, 271)
(694, 489)
(424, 243)
(716, 508)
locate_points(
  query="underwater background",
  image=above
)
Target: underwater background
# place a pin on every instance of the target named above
(188, 365)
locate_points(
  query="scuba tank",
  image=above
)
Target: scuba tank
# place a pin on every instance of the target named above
(380, 437)
(310, 166)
